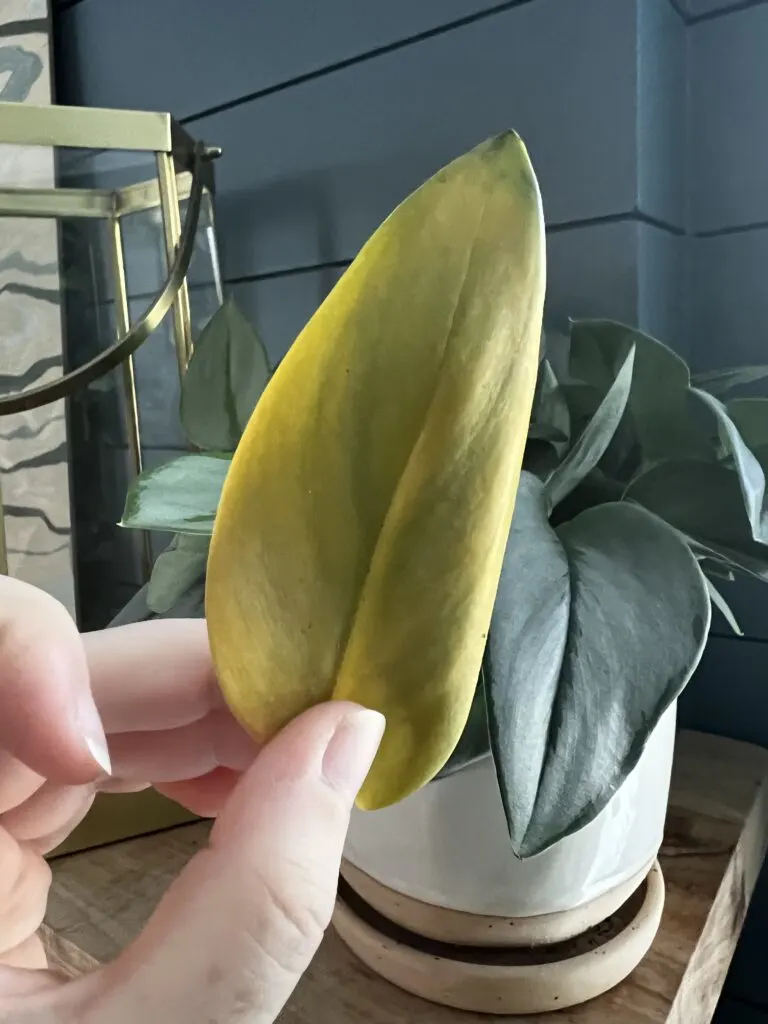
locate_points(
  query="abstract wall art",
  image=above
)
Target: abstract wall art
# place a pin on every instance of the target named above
(34, 463)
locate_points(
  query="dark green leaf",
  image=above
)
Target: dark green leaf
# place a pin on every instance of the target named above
(225, 379)
(550, 418)
(180, 497)
(596, 489)
(723, 607)
(178, 568)
(720, 382)
(550, 424)
(593, 442)
(703, 501)
(596, 630)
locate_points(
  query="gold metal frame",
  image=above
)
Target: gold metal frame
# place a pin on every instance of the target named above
(184, 172)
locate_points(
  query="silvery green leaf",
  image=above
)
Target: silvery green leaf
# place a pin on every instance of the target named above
(704, 502)
(753, 562)
(593, 442)
(176, 569)
(750, 472)
(750, 415)
(723, 607)
(714, 567)
(180, 497)
(720, 382)
(225, 378)
(658, 410)
(596, 629)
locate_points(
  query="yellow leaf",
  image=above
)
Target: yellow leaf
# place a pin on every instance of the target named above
(358, 543)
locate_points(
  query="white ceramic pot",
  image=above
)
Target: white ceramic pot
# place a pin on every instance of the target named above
(448, 846)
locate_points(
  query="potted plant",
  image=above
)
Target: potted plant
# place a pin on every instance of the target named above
(641, 490)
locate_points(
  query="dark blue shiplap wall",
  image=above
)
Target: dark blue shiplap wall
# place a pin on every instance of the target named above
(329, 114)
(645, 120)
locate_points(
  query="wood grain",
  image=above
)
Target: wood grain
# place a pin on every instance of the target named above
(717, 831)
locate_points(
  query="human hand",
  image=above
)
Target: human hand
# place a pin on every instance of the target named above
(239, 926)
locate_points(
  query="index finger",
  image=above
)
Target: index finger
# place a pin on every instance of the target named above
(47, 716)
(152, 676)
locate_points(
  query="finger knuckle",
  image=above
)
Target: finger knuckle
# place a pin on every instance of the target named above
(293, 923)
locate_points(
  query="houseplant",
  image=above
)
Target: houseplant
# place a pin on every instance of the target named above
(641, 493)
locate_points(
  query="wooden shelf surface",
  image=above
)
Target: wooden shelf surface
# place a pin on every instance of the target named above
(716, 837)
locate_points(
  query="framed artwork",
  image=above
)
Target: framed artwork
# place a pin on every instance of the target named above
(34, 454)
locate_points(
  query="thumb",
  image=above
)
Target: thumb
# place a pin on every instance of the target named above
(241, 924)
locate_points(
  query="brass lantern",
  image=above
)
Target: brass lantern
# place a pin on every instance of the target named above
(60, 165)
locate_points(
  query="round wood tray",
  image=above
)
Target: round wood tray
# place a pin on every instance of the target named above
(462, 929)
(505, 980)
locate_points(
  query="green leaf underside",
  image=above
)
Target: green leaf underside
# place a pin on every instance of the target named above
(713, 566)
(750, 473)
(180, 497)
(720, 382)
(594, 440)
(704, 501)
(596, 629)
(225, 379)
(176, 569)
(724, 608)
(750, 416)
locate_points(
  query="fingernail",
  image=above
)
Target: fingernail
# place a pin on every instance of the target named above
(93, 734)
(351, 751)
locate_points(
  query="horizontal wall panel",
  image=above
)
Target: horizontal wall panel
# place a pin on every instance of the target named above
(727, 695)
(308, 173)
(728, 142)
(728, 298)
(599, 270)
(662, 310)
(628, 271)
(748, 600)
(172, 55)
(593, 271)
(280, 307)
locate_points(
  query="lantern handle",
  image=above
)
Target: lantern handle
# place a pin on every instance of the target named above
(111, 357)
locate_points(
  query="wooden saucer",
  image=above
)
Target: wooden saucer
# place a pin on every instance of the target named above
(462, 929)
(508, 981)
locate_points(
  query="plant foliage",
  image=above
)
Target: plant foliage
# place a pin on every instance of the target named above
(643, 493)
